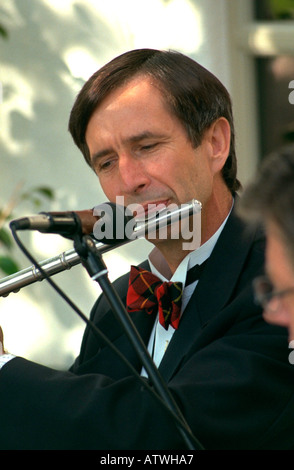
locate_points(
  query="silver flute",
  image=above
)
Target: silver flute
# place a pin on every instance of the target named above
(70, 258)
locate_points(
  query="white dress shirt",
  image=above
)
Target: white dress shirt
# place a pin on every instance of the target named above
(160, 337)
(4, 358)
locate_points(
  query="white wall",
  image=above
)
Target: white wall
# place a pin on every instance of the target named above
(53, 47)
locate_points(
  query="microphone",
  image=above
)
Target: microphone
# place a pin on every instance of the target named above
(108, 223)
(70, 223)
(63, 223)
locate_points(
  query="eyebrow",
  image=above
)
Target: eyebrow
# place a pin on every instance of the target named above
(129, 140)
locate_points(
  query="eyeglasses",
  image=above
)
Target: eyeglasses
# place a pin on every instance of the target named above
(265, 293)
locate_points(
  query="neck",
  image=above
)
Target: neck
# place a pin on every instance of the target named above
(172, 251)
(214, 212)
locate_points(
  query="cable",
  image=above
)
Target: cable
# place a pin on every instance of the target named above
(194, 444)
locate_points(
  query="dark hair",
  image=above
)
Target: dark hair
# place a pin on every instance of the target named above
(271, 195)
(193, 94)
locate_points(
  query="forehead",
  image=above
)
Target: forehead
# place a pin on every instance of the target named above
(138, 103)
(139, 89)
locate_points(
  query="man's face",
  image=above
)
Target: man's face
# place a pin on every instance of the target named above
(141, 152)
(281, 272)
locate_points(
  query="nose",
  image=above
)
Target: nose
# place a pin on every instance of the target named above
(133, 175)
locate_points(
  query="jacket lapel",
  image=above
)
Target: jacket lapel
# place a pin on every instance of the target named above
(218, 282)
(113, 329)
(213, 291)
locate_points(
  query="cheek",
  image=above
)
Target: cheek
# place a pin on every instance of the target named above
(289, 306)
(108, 187)
(273, 265)
(281, 317)
(201, 183)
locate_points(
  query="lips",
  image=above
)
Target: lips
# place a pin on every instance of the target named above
(150, 208)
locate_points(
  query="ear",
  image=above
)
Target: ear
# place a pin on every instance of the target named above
(220, 139)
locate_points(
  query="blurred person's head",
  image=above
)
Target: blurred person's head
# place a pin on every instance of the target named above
(269, 199)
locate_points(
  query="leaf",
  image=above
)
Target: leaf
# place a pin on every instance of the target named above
(3, 32)
(5, 238)
(8, 265)
(42, 190)
(45, 191)
(282, 9)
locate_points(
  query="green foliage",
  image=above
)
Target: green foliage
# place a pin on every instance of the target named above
(35, 197)
(8, 265)
(282, 9)
(3, 31)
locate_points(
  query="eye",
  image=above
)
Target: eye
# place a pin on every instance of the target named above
(149, 146)
(105, 164)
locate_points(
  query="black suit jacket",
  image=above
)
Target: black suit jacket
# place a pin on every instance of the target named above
(226, 368)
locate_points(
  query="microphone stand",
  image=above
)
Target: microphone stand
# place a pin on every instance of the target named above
(94, 264)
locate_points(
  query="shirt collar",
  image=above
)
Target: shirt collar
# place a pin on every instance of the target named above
(160, 268)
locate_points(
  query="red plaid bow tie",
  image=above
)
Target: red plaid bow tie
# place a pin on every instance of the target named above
(147, 292)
